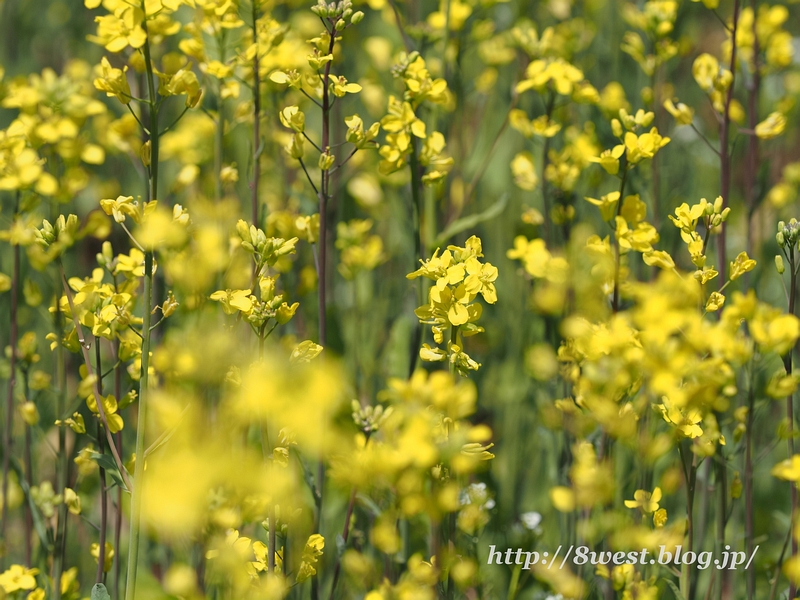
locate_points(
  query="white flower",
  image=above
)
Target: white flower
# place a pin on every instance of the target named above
(531, 520)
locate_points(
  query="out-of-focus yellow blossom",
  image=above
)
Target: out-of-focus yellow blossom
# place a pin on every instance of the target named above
(108, 555)
(524, 171)
(771, 127)
(311, 553)
(645, 501)
(682, 114)
(359, 250)
(18, 577)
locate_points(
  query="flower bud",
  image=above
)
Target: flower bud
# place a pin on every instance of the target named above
(779, 264)
(357, 17)
(29, 413)
(326, 160)
(144, 153)
(779, 238)
(616, 127)
(718, 204)
(170, 305)
(340, 24)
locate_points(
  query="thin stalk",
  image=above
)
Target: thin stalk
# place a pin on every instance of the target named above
(416, 217)
(12, 380)
(136, 501)
(29, 479)
(272, 540)
(549, 234)
(751, 157)
(101, 556)
(345, 533)
(219, 135)
(724, 151)
(617, 252)
(690, 477)
(750, 574)
(324, 197)
(722, 497)
(62, 465)
(256, 122)
(787, 364)
(117, 529)
(322, 268)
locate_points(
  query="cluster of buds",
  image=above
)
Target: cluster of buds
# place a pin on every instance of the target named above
(64, 230)
(343, 11)
(788, 234)
(370, 418)
(265, 251)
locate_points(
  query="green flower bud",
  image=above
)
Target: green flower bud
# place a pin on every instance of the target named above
(357, 17)
(779, 264)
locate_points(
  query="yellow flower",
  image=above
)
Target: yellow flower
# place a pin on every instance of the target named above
(545, 127)
(524, 171)
(607, 204)
(18, 578)
(660, 517)
(715, 302)
(609, 159)
(644, 146)
(185, 82)
(234, 300)
(120, 30)
(645, 501)
(658, 258)
(705, 70)
(108, 555)
(788, 470)
(72, 500)
(771, 127)
(340, 86)
(741, 265)
(293, 118)
(123, 206)
(311, 553)
(682, 114)
(113, 82)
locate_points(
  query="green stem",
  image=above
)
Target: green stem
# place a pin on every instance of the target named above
(690, 475)
(787, 363)
(219, 137)
(724, 151)
(28, 475)
(256, 122)
(101, 542)
(417, 218)
(12, 380)
(136, 508)
(722, 497)
(62, 465)
(617, 252)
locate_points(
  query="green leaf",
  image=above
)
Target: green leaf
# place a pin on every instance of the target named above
(38, 521)
(370, 504)
(99, 592)
(675, 590)
(470, 221)
(106, 462)
(39, 524)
